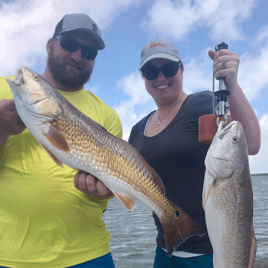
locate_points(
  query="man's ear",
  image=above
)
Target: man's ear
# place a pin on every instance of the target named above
(50, 43)
(182, 69)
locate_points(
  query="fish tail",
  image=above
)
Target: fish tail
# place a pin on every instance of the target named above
(179, 226)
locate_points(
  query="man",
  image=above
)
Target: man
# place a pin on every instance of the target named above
(47, 218)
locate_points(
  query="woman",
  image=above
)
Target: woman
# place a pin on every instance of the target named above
(168, 139)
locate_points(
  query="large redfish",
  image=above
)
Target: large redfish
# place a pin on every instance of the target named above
(72, 138)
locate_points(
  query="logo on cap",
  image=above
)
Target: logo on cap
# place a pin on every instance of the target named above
(153, 46)
(94, 28)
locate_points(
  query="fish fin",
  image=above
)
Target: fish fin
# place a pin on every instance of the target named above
(155, 177)
(252, 248)
(127, 201)
(178, 228)
(56, 160)
(206, 194)
(56, 139)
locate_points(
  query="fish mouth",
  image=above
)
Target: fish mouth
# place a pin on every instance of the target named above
(19, 78)
(224, 129)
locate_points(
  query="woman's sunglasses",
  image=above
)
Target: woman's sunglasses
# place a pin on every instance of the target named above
(168, 70)
(71, 45)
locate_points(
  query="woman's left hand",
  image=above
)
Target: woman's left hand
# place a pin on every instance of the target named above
(225, 65)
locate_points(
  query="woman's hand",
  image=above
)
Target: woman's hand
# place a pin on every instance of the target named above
(225, 65)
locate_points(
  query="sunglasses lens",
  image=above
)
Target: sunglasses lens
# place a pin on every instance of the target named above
(170, 69)
(68, 44)
(89, 54)
(150, 72)
(72, 45)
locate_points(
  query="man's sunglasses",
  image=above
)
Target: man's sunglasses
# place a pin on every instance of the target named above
(168, 70)
(71, 45)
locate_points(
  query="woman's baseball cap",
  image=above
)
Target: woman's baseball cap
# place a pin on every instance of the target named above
(159, 48)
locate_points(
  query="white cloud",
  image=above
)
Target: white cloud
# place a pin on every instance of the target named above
(27, 25)
(137, 105)
(259, 162)
(198, 73)
(253, 72)
(176, 19)
(262, 35)
(133, 85)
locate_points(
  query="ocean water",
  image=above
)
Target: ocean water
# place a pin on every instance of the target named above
(260, 220)
(133, 233)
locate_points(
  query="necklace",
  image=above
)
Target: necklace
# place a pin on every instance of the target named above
(172, 107)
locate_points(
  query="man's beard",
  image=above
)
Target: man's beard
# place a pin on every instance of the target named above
(71, 80)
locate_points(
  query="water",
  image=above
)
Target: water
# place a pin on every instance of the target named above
(260, 198)
(134, 233)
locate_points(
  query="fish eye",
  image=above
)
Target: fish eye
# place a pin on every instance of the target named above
(35, 77)
(234, 139)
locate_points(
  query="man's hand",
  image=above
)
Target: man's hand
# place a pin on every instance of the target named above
(90, 185)
(10, 122)
(230, 70)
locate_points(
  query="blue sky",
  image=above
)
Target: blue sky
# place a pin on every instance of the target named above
(193, 26)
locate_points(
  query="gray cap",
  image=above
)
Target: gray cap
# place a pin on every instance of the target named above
(159, 48)
(82, 22)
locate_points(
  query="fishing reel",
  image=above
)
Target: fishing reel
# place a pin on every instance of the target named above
(208, 124)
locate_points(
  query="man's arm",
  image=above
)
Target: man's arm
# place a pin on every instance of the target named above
(10, 122)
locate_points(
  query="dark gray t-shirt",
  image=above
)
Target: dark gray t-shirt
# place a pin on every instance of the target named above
(178, 158)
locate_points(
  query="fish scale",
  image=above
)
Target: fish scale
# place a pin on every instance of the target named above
(72, 138)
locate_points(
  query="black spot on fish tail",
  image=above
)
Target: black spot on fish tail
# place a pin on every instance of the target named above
(178, 228)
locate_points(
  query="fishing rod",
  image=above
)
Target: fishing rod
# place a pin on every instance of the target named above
(208, 124)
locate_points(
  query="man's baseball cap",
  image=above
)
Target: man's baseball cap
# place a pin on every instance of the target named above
(82, 22)
(159, 48)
